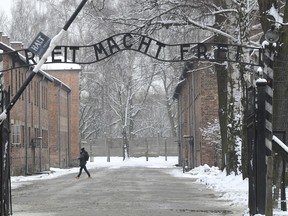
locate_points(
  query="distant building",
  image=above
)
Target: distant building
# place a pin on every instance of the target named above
(197, 101)
(44, 122)
(65, 106)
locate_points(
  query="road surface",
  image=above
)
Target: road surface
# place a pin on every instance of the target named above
(119, 192)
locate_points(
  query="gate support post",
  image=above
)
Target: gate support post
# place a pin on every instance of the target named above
(251, 140)
(269, 206)
(260, 148)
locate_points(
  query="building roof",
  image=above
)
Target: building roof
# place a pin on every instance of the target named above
(62, 85)
(178, 88)
(187, 66)
(60, 66)
(7, 48)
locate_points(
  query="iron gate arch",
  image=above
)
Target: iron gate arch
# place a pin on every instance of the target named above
(187, 52)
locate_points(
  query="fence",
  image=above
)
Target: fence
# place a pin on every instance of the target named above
(149, 147)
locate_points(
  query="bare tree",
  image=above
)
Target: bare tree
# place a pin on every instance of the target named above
(4, 22)
(231, 22)
(172, 21)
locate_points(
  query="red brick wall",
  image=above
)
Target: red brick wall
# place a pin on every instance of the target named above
(209, 108)
(197, 106)
(50, 116)
(72, 79)
(58, 126)
(26, 113)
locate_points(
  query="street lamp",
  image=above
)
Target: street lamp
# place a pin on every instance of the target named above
(262, 165)
(272, 35)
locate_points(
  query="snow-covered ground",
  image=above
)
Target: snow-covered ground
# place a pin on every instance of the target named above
(231, 187)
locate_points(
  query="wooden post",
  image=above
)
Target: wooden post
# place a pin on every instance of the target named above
(147, 150)
(165, 149)
(107, 144)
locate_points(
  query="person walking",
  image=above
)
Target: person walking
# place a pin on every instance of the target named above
(84, 157)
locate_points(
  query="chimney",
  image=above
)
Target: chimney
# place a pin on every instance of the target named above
(17, 45)
(6, 40)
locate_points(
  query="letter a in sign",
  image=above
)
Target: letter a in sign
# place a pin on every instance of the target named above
(39, 45)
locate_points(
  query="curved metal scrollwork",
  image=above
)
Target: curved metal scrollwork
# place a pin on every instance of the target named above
(153, 48)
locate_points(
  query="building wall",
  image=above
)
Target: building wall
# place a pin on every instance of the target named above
(58, 125)
(197, 107)
(72, 79)
(28, 121)
(41, 131)
(209, 113)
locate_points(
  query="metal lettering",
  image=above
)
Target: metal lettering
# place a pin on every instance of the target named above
(202, 49)
(127, 46)
(112, 45)
(39, 41)
(148, 46)
(183, 49)
(160, 46)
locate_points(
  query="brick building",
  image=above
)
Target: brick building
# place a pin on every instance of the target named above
(196, 94)
(66, 107)
(43, 123)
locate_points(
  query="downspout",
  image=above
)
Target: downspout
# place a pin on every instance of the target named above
(69, 126)
(40, 122)
(180, 131)
(190, 123)
(195, 121)
(26, 130)
(59, 122)
(178, 141)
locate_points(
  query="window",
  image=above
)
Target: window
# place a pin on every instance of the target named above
(31, 93)
(35, 93)
(22, 81)
(16, 134)
(12, 83)
(23, 132)
(45, 138)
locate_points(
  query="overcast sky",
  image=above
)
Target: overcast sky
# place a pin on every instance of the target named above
(5, 6)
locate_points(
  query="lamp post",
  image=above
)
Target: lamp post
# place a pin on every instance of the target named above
(264, 128)
(272, 37)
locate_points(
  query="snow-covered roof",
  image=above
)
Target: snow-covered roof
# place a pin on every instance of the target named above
(5, 47)
(60, 66)
(178, 88)
(62, 85)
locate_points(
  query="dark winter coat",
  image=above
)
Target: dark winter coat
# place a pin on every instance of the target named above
(83, 158)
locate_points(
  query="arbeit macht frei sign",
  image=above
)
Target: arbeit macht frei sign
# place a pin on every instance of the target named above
(140, 43)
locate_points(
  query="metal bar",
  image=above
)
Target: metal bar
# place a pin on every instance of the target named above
(280, 148)
(74, 15)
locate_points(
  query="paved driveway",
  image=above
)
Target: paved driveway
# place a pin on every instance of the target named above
(119, 192)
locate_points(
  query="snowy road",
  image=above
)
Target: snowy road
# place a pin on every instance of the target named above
(126, 191)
